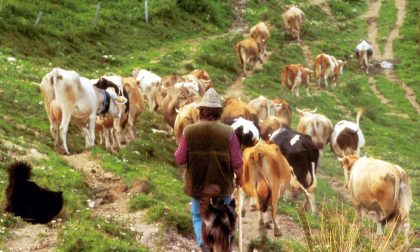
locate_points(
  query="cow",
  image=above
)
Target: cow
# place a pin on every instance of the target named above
(271, 124)
(303, 157)
(293, 76)
(175, 99)
(285, 111)
(293, 18)
(194, 87)
(379, 186)
(317, 126)
(261, 33)
(235, 108)
(148, 83)
(327, 66)
(137, 106)
(113, 105)
(363, 52)
(264, 107)
(204, 77)
(77, 99)
(347, 138)
(189, 114)
(53, 109)
(162, 88)
(246, 132)
(247, 51)
(266, 176)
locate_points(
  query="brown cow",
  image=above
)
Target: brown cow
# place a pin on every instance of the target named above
(162, 88)
(317, 126)
(293, 18)
(271, 124)
(327, 66)
(266, 175)
(186, 115)
(285, 110)
(137, 106)
(235, 108)
(247, 50)
(295, 75)
(204, 77)
(175, 99)
(382, 187)
(261, 33)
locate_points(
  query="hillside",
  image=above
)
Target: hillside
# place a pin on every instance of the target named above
(139, 204)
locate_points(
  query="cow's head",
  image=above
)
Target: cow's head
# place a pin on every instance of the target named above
(305, 111)
(219, 225)
(347, 163)
(340, 65)
(104, 84)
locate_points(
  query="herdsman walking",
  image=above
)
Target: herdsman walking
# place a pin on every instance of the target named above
(212, 154)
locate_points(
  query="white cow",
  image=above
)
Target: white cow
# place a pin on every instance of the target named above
(148, 83)
(363, 52)
(77, 99)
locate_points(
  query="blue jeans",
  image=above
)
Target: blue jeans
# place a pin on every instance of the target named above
(196, 218)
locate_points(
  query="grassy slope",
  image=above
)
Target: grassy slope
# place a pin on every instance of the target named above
(217, 56)
(386, 21)
(74, 43)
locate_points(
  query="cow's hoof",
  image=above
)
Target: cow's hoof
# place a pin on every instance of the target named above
(268, 225)
(253, 208)
(277, 233)
(243, 212)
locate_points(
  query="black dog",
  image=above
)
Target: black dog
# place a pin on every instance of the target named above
(29, 201)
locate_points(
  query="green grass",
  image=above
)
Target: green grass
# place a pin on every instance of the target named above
(407, 48)
(386, 21)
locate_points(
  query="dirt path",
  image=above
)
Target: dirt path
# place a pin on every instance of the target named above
(371, 16)
(110, 200)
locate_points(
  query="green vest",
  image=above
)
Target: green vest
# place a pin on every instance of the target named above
(208, 162)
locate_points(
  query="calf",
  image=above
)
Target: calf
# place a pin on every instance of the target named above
(264, 107)
(347, 137)
(317, 126)
(247, 50)
(327, 66)
(293, 18)
(266, 176)
(363, 52)
(303, 156)
(382, 187)
(261, 33)
(148, 83)
(204, 77)
(293, 76)
(175, 99)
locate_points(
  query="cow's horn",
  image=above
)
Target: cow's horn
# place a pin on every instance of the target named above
(313, 111)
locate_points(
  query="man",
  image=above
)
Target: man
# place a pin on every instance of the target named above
(212, 154)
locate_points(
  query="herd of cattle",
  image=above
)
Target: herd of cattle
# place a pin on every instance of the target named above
(275, 156)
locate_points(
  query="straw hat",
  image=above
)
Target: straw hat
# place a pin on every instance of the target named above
(211, 99)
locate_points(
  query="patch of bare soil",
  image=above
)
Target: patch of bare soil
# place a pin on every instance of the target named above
(41, 238)
(371, 16)
(110, 200)
(250, 225)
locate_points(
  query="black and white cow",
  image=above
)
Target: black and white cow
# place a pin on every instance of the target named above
(303, 156)
(246, 131)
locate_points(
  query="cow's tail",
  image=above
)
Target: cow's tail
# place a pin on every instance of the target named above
(402, 196)
(284, 76)
(239, 52)
(316, 132)
(262, 186)
(365, 58)
(314, 183)
(359, 114)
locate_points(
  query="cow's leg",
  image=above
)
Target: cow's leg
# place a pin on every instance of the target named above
(91, 127)
(100, 137)
(54, 133)
(106, 136)
(277, 231)
(379, 226)
(87, 137)
(117, 131)
(64, 126)
(326, 80)
(130, 126)
(307, 91)
(311, 199)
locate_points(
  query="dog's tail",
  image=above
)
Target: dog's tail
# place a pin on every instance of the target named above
(19, 171)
